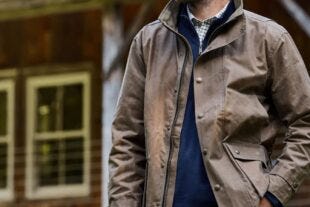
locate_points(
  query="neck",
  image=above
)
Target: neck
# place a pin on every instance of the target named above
(205, 9)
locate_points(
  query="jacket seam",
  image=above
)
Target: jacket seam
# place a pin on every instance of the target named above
(269, 22)
(153, 23)
(271, 55)
(268, 74)
(252, 17)
(138, 40)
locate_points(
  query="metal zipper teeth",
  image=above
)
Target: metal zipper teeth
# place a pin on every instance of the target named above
(145, 185)
(174, 120)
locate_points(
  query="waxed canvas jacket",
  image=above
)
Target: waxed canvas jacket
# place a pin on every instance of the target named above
(251, 86)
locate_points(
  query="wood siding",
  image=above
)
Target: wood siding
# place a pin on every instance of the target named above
(54, 44)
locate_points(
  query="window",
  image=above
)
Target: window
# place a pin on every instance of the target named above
(6, 139)
(58, 116)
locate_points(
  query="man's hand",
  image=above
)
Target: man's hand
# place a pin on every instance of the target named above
(265, 203)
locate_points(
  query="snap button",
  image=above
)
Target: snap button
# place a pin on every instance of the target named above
(217, 187)
(205, 152)
(199, 80)
(237, 152)
(256, 197)
(200, 116)
(162, 165)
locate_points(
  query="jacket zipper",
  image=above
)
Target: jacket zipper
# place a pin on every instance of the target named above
(145, 184)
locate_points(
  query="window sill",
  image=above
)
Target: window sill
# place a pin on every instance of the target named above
(58, 192)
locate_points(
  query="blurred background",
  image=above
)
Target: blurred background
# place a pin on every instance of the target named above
(61, 66)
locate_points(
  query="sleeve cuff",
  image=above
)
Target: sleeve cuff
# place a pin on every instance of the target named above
(280, 189)
(273, 200)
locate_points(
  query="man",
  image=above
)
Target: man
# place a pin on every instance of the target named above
(207, 89)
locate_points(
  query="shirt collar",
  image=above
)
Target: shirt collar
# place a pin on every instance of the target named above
(217, 16)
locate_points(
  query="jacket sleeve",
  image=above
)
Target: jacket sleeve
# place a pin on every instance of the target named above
(127, 157)
(290, 90)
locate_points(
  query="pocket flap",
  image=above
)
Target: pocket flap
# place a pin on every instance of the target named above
(247, 151)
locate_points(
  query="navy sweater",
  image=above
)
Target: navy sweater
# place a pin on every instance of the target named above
(192, 187)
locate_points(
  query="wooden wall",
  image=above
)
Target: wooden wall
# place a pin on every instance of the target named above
(46, 45)
(60, 38)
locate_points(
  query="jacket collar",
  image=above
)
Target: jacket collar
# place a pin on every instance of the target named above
(169, 17)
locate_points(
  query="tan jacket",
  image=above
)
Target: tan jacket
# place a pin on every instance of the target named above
(251, 85)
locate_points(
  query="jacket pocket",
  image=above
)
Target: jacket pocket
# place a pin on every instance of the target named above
(252, 161)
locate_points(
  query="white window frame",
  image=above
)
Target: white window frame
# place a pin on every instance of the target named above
(61, 191)
(8, 86)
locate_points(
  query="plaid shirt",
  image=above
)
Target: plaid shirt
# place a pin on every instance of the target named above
(202, 27)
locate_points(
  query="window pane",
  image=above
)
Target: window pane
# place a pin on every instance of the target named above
(73, 107)
(3, 113)
(3, 166)
(47, 163)
(47, 109)
(74, 161)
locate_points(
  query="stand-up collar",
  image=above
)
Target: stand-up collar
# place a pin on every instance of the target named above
(169, 15)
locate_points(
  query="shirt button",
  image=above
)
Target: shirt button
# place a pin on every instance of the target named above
(237, 152)
(199, 80)
(217, 187)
